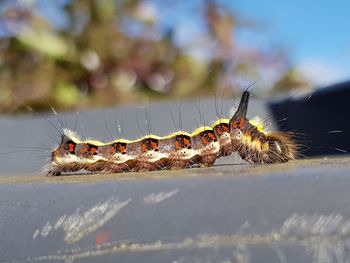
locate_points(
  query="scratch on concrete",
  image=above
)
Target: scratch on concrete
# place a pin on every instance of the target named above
(79, 224)
(153, 198)
(326, 237)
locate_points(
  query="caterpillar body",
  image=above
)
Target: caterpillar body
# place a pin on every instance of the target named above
(177, 150)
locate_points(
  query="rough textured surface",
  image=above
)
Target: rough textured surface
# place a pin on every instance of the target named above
(294, 212)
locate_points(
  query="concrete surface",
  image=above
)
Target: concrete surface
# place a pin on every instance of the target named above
(295, 212)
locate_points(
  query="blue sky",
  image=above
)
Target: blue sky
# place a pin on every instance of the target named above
(310, 28)
(315, 33)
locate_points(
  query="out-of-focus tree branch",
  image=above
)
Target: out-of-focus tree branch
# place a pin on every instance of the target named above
(115, 52)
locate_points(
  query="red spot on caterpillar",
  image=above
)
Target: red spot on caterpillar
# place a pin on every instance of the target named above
(218, 130)
(187, 143)
(143, 147)
(212, 136)
(177, 145)
(204, 140)
(122, 148)
(154, 145)
(112, 150)
(93, 150)
(238, 124)
(225, 127)
(83, 150)
(241, 123)
(102, 237)
(71, 147)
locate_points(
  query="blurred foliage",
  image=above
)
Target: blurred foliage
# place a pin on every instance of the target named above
(291, 79)
(117, 51)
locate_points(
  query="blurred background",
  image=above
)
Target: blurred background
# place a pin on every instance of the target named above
(104, 58)
(77, 54)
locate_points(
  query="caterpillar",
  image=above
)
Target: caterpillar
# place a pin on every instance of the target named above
(178, 150)
(256, 145)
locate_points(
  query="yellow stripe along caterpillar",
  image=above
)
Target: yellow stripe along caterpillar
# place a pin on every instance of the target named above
(177, 150)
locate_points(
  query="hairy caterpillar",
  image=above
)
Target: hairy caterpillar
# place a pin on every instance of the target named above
(256, 145)
(177, 150)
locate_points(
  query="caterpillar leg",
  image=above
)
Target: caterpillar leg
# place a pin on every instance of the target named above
(182, 158)
(59, 169)
(151, 160)
(145, 166)
(207, 160)
(177, 164)
(97, 166)
(120, 167)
